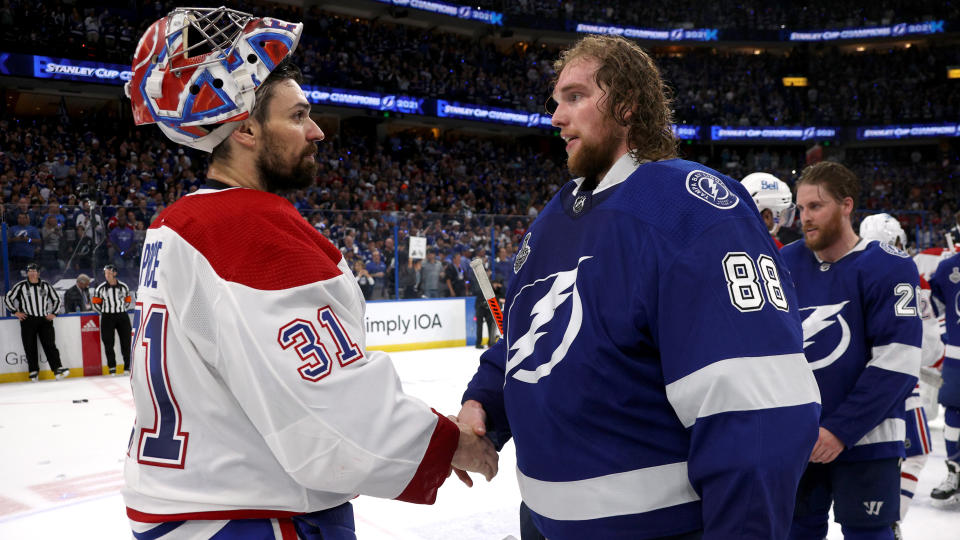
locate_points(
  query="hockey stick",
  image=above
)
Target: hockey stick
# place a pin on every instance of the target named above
(481, 275)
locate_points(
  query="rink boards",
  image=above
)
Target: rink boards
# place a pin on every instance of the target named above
(390, 326)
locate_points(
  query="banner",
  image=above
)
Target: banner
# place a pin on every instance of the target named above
(908, 131)
(452, 10)
(651, 34)
(46, 67)
(415, 324)
(418, 247)
(895, 30)
(773, 133)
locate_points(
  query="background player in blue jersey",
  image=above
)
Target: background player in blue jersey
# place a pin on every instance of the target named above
(945, 286)
(862, 337)
(917, 445)
(652, 371)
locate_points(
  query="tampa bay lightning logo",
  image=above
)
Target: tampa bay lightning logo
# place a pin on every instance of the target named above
(463, 12)
(899, 29)
(821, 318)
(676, 34)
(388, 103)
(809, 132)
(894, 250)
(711, 189)
(553, 293)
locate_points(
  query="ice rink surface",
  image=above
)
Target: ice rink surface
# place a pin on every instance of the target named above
(62, 445)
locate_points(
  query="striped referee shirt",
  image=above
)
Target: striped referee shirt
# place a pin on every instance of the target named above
(35, 299)
(111, 298)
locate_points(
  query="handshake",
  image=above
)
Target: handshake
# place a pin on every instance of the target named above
(475, 452)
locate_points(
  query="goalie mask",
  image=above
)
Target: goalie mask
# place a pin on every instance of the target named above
(196, 71)
(771, 193)
(885, 228)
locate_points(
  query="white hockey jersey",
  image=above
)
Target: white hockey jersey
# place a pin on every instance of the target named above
(255, 394)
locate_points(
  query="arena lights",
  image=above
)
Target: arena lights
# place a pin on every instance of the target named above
(953, 72)
(652, 34)
(908, 131)
(773, 133)
(896, 30)
(795, 81)
(453, 10)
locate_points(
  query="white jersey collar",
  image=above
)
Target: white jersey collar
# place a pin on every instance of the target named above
(859, 246)
(621, 169)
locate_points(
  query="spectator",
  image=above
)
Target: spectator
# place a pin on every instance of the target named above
(77, 298)
(24, 241)
(432, 270)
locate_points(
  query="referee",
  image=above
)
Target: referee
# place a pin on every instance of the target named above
(111, 299)
(35, 303)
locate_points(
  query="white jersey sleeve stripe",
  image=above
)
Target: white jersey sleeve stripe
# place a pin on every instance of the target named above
(611, 495)
(953, 351)
(890, 430)
(743, 384)
(896, 357)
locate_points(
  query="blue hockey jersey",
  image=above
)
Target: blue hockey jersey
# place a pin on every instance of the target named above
(945, 287)
(652, 372)
(862, 336)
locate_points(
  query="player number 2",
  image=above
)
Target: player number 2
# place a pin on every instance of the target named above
(743, 282)
(904, 306)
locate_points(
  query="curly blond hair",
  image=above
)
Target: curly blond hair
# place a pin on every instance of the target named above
(631, 82)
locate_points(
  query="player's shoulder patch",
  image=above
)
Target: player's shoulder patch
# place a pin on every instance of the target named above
(894, 250)
(711, 189)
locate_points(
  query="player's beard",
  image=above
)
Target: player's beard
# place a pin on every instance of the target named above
(827, 234)
(593, 159)
(278, 175)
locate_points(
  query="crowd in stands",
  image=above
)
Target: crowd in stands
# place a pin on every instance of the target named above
(88, 187)
(79, 194)
(711, 86)
(758, 14)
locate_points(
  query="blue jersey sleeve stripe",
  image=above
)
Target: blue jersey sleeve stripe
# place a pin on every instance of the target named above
(890, 430)
(743, 384)
(616, 494)
(896, 357)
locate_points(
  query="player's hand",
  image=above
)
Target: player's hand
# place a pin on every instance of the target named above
(474, 453)
(828, 447)
(20, 315)
(473, 415)
(51, 316)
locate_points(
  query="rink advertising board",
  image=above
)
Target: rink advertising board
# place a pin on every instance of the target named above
(416, 324)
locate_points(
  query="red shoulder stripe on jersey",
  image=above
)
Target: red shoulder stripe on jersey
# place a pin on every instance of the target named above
(144, 517)
(435, 465)
(924, 284)
(253, 238)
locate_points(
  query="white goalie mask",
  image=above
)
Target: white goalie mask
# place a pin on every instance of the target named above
(883, 227)
(771, 193)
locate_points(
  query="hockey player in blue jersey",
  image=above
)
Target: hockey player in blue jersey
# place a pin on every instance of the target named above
(862, 337)
(652, 372)
(917, 445)
(945, 286)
